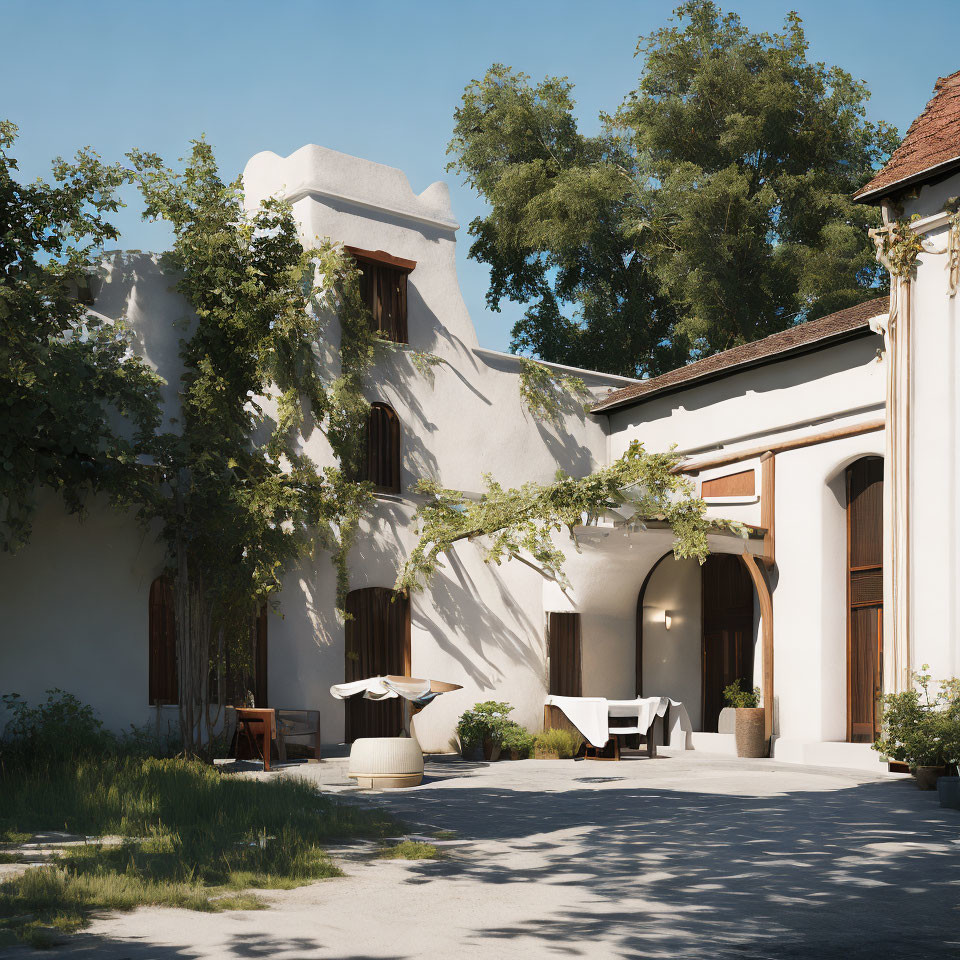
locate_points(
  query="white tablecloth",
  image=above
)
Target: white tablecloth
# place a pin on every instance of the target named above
(590, 715)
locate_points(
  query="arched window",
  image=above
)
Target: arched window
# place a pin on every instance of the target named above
(377, 644)
(237, 682)
(163, 643)
(382, 461)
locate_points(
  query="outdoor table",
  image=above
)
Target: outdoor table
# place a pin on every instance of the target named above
(256, 722)
(591, 717)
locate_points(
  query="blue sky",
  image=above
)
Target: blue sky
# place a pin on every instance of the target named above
(379, 79)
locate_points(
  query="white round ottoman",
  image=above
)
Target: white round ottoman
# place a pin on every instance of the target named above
(377, 762)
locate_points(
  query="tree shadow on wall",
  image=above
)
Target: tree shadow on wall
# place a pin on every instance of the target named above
(468, 629)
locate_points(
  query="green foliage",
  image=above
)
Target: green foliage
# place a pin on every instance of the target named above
(513, 737)
(485, 721)
(56, 731)
(410, 850)
(545, 392)
(737, 698)
(898, 247)
(189, 834)
(922, 727)
(520, 522)
(242, 502)
(76, 408)
(712, 208)
(564, 743)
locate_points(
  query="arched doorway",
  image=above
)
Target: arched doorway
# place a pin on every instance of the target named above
(864, 484)
(727, 648)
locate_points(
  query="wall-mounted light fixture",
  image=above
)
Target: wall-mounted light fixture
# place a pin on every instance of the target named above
(667, 619)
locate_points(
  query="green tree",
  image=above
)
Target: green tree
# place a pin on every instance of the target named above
(239, 499)
(712, 208)
(77, 409)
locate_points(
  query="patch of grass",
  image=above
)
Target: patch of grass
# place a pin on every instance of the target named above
(561, 742)
(444, 834)
(410, 850)
(57, 898)
(191, 834)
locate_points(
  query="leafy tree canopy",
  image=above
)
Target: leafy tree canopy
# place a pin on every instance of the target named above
(520, 523)
(76, 407)
(712, 208)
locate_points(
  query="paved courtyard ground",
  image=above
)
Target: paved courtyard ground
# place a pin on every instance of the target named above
(678, 857)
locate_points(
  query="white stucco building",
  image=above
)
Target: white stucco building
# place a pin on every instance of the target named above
(787, 434)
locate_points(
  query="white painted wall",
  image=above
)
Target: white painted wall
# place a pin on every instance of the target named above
(74, 611)
(477, 625)
(828, 389)
(672, 658)
(935, 448)
(86, 586)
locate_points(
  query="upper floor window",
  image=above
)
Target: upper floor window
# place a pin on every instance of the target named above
(381, 464)
(383, 286)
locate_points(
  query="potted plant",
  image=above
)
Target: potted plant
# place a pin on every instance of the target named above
(749, 731)
(484, 727)
(517, 742)
(922, 728)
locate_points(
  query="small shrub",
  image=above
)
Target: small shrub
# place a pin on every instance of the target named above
(561, 742)
(487, 720)
(740, 699)
(922, 728)
(517, 738)
(60, 730)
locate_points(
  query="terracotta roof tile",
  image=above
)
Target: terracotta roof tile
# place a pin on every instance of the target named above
(932, 141)
(802, 336)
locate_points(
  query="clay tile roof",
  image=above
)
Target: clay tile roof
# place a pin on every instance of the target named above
(931, 146)
(799, 339)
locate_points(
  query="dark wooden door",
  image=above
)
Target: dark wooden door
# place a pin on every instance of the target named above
(565, 654)
(727, 649)
(864, 598)
(377, 644)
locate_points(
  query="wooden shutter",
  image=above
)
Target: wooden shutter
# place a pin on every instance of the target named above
(377, 643)
(163, 643)
(864, 597)
(565, 654)
(727, 644)
(382, 466)
(383, 287)
(260, 659)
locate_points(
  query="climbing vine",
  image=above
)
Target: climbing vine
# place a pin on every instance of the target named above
(519, 523)
(898, 247)
(239, 498)
(544, 391)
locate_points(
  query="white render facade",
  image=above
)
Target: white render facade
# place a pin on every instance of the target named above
(74, 601)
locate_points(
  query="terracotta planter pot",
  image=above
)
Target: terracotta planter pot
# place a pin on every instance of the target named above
(491, 750)
(749, 732)
(540, 754)
(927, 776)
